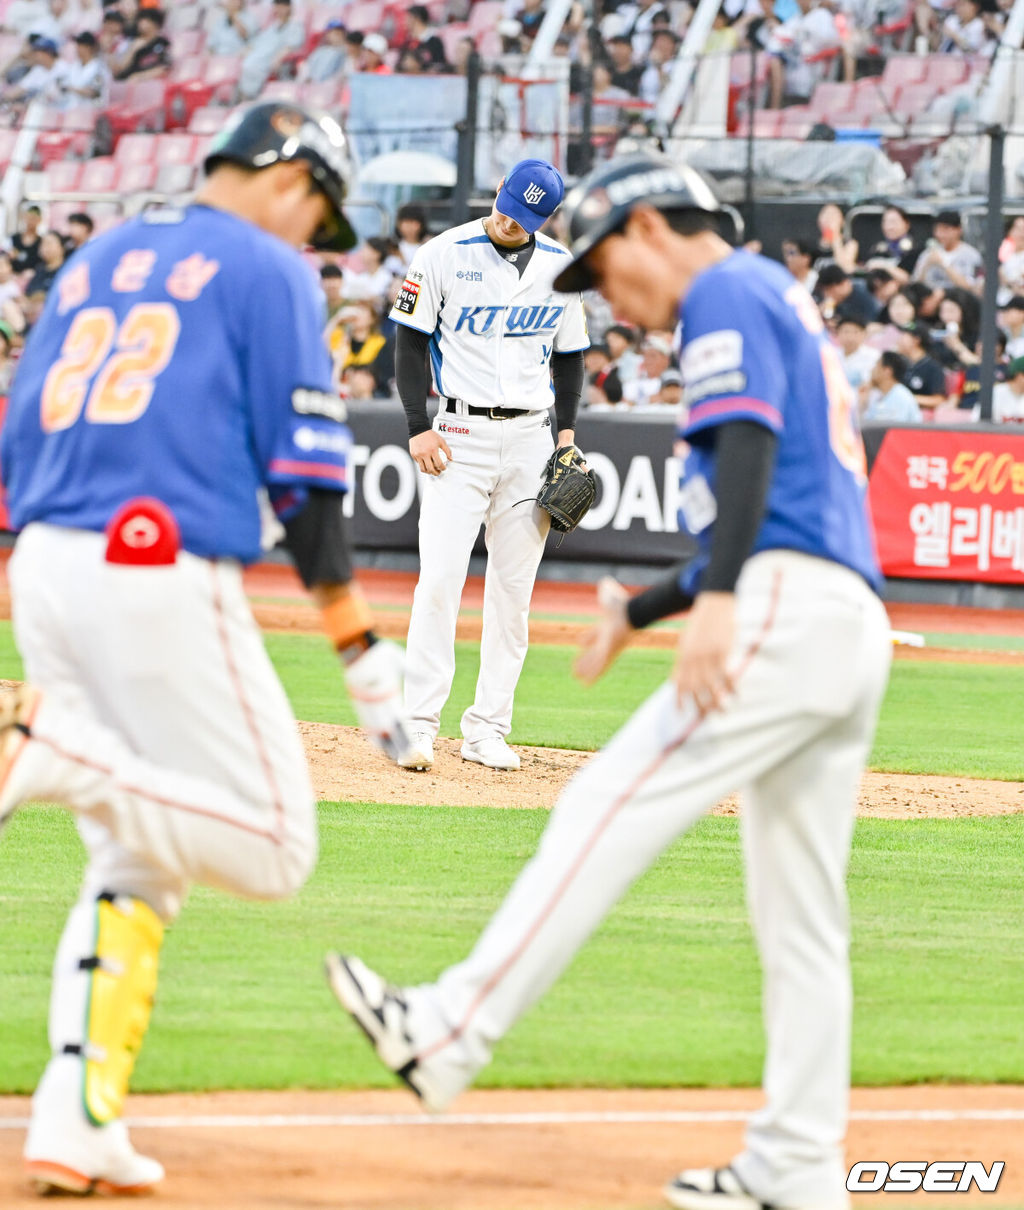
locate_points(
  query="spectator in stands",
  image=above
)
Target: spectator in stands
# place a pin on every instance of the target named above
(88, 78)
(363, 346)
(655, 359)
(230, 28)
(898, 312)
(626, 73)
(834, 246)
(964, 29)
(423, 42)
(17, 68)
(925, 378)
(360, 385)
(798, 257)
(374, 55)
(637, 22)
(970, 392)
(331, 279)
(113, 37)
(603, 383)
(670, 394)
(51, 261)
(25, 242)
(149, 57)
(882, 287)
(6, 359)
(1011, 255)
(954, 338)
(530, 17)
(1008, 396)
(411, 230)
(890, 402)
(10, 287)
(839, 291)
(80, 229)
(948, 261)
(724, 38)
(1012, 320)
(270, 47)
(896, 250)
(621, 342)
(44, 80)
(372, 281)
(858, 358)
(660, 59)
(329, 59)
(809, 32)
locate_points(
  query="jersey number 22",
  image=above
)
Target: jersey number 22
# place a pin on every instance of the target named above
(109, 370)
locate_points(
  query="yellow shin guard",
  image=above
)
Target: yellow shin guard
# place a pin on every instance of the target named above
(123, 973)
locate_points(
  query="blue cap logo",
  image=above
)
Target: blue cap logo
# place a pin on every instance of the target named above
(531, 193)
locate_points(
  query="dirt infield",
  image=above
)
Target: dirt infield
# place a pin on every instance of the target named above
(581, 1149)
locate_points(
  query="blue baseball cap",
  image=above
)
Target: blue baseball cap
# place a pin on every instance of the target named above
(531, 193)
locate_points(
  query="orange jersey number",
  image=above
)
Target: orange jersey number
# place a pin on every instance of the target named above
(125, 362)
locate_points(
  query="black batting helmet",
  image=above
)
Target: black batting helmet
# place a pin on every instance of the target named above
(600, 204)
(273, 132)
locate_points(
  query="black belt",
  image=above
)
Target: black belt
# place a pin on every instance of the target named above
(451, 405)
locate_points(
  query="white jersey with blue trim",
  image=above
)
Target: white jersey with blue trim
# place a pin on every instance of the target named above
(492, 332)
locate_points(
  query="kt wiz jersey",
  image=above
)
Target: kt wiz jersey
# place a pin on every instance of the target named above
(754, 348)
(492, 332)
(178, 356)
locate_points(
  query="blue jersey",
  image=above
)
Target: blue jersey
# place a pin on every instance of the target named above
(178, 356)
(754, 348)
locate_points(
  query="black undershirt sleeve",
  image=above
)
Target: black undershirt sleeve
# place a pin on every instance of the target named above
(744, 460)
(567, 374)
(318, 539)
(412, 378)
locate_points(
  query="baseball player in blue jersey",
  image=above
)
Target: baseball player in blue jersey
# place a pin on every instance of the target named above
(775, 692)
(175, 376)
(477, 307)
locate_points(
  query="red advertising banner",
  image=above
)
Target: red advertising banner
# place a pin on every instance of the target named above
(949, 505)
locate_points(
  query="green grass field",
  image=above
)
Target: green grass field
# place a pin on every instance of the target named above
(667, 992)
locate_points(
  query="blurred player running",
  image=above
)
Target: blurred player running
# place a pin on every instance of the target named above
(176, 374)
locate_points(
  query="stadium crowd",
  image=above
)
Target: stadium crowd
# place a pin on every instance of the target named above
(904, 315)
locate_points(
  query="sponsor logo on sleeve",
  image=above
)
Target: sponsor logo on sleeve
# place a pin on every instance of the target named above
(733, 383)
(309, 402)
(715, 353)
(408, 297)
(311, 440)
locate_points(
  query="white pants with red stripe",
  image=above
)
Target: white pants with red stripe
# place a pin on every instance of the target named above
(163, 724)
(496, 470)
(811, 656)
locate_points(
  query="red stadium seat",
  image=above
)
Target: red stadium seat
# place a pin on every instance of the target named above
(223, 72)
(914, 99)
(183, 17)
(55, 145)
(134, 107)
(281, 90)
(324, 95)
(207, 120)
(831, 100)
(485, 15)
(946, 71)
(188, 42)
(796, 122)
(136, 178)
(900, 70)
(136, 149)
(451, 35)
(82, 118)
(175, 178)
(367, 16)
(99, 175)
(176, 149)
(63, 176)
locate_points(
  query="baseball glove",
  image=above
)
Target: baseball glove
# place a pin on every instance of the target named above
(569, 488)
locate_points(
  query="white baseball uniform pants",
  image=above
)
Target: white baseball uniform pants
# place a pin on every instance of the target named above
(163, 722)
(496, 465)
(164, 727)
(811, 658)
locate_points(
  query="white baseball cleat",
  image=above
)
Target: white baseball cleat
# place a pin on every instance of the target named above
(382, 1012)
(420, 752)
(65, 1153)
(492, 752)
(721, 1189)
(710, 1189)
